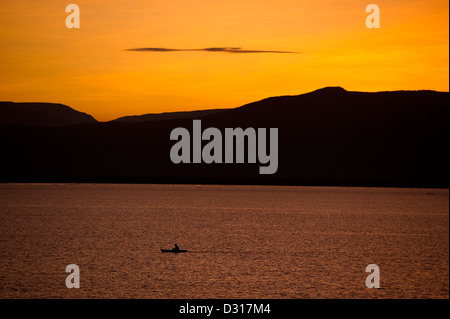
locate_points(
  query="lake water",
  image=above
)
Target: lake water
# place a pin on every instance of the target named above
(244, 241)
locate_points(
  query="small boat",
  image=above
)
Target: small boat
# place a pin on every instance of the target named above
(173, 251)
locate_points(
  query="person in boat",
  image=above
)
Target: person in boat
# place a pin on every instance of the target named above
(176, 248)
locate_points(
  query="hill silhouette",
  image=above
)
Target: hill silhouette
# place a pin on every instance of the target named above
(166, 116)
(326, 137)
(41, 114)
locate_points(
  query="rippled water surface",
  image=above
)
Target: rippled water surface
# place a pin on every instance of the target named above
(244, 241)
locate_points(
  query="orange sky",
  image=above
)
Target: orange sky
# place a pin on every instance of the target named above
(90, 70)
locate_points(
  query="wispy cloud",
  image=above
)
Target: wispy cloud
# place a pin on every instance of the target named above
(224, 49)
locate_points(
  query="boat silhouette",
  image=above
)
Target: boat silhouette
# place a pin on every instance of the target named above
(173, 251)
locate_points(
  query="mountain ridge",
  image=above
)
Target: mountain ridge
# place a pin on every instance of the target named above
(151, 117)
(41, 114)
(332, 137)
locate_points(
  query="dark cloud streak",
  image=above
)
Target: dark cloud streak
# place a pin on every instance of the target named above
(225, 49)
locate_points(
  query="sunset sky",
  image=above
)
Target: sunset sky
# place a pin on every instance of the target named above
(92, 69)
